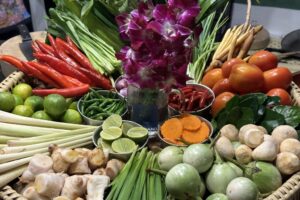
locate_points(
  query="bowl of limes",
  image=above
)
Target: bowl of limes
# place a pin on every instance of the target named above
(120, 137)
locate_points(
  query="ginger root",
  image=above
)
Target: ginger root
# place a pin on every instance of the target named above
(96, 158)
(31, 194)
(38, 164)
(61, 198)
(49, 184)
(81, 166)
(113, 167)
(100, 171)
(96, 186)
(75, 186)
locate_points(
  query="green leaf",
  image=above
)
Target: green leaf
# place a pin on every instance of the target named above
(208, 7)
(234, 101)
(86, 8)
(272, 101)
(291, 114)
(261, 97)
(272, 119)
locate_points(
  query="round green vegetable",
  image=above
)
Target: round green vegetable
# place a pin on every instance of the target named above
(199, 156)
(41, 115)
(217, 196)
(7, 101)
(18, 100)
(242, 188)
(265, 175)
(237, 170)
(202, 188)
(36, 102)
(169, 157)
(183, 181)
(55, 105)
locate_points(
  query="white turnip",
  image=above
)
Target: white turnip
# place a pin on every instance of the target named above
(267, 151)
(283, 132)
(287, 163)
(290, 145)
(224, 147)
(243, 154)
(230, 131)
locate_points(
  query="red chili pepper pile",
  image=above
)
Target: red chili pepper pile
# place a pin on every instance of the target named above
(61, 65)
(193, 98)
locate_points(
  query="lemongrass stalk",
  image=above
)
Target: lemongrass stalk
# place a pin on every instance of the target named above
(4, 138)
(26, 131)
(7, 177)
(3, 145)
(17, 119)
(45, 138)
(14, 156)
(16, 149)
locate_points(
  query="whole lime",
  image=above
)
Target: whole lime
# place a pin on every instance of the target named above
(18, 100)
(72, 116)
(41, 114)
(73, 105)
(55, 105)
(7, 101)
(23, 110)
(36, 102)
(23, 90)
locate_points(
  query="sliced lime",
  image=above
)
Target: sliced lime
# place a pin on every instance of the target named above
(113, 120)
(123, 145)
(104, 145)
(111, 133)
(125, 127)
(137, 133)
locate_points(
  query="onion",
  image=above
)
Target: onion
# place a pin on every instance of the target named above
(123, 92)
(242, 188)
(169, 157)
(122, 83)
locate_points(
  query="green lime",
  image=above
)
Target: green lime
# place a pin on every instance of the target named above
(111, 133)
(23, 110)
(123, 145)
(18, 100)
(113, 120)
(73, 105)
(7, 101)
(72, 116)
(69, 101)
(36, 102)
(23, 90)
(55, 105)
(41, 115)
(104, 145)
(125, 127)
(138, 134)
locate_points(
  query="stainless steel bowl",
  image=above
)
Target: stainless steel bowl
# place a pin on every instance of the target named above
(203, 111)
(166, 143)
(122, 156)
(94, 122)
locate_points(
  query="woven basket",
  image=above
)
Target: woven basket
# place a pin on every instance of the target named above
(290, 190)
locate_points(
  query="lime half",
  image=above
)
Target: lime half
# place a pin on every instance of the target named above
(125, 127)
(137, 134)
(123, 145)
(104, 145)
(111, 133)
(113, 120)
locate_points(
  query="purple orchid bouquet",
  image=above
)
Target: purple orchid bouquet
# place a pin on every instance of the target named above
(161, 41)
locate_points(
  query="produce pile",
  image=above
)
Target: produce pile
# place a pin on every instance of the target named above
(232, 131)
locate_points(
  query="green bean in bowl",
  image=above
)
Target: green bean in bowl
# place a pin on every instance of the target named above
(97, 105)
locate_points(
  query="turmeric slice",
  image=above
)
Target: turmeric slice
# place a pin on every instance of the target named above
(198, 136)
(171, 129)
(190, 122)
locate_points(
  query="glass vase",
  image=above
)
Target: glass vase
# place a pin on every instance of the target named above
(148, 107)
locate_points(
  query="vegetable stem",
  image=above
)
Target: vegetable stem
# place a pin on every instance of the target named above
(157, 171)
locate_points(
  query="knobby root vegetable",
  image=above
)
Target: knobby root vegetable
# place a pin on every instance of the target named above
(243, 154)
(290, 145)
(224, 147)
(95, 187)
(267, 151)
(31, 194)
(96, 158)
(75, 186)
(236, 144)
(283, 132)
(61, 198)
(262, 129)
(287, 163)
(243, 129)
(83, 151)
(253, 137)
(100, 171)
(81, 166)
(230, 131)
(113, 168)
(38, 164)
(49, 184)
(270, 138)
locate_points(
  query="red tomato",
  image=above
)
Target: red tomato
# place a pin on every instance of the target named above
(220, 102)
(211, 77)
(265, 60)
(280, 77)
(245, 78)
(222, 86)
(285, 98)
(227, 66)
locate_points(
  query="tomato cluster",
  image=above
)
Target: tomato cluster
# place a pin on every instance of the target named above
(260, 74)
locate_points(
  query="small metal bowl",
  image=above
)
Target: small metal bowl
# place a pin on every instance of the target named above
(203, 111)
(94, 122)
(167, 143)
(122, 156)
